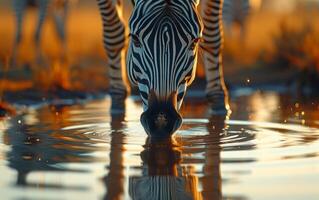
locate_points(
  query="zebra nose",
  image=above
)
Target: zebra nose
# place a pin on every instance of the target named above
(161, 119)
(161, 124)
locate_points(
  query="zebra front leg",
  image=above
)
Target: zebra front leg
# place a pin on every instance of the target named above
(114, 43)
(60, 15)
(216, 92)
(19, 7)
(43, 8)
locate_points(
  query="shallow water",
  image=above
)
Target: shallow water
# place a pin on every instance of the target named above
(267, 149)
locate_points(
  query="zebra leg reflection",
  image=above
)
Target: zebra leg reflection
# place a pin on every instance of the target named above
(114, 43)
(216, 92)
(212, 180)
(163, 176)
(114, 180)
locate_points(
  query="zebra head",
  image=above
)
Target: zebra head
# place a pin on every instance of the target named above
(162, 59)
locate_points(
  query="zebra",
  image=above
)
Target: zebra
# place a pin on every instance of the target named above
(60, 14)
(235, 12)
(165, 38)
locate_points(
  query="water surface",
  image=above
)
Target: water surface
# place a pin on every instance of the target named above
(268, 148)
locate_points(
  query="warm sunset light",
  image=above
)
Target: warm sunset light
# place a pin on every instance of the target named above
(159, 99)
(255, 4)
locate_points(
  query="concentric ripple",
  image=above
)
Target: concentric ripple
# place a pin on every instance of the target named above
(82, 151)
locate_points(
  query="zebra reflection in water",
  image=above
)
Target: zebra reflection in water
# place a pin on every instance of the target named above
(167, 172)
(39, 145)
(163, 177)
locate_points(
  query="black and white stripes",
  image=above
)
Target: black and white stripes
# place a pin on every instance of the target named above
(235, 12)
(163, 48)
(114, 43)
(216, 92)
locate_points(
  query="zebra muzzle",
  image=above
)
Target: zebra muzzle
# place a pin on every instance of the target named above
(161, 119)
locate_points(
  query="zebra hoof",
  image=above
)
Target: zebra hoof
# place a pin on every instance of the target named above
(219, 111)
(117, 106)
(218, 106)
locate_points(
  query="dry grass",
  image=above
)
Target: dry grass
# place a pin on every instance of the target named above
(297, 47)
(261, 31)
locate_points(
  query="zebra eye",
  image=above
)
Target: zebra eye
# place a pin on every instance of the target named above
(136, 40)
(194, 44)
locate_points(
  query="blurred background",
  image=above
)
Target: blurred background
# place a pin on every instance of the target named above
(269, 44)
(267, 150)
